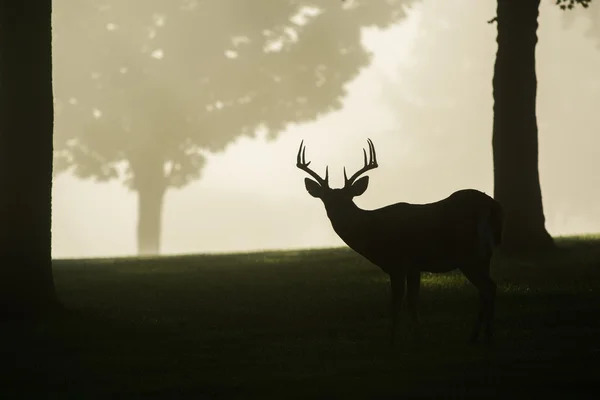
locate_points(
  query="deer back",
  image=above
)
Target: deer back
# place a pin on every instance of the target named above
(448, 231)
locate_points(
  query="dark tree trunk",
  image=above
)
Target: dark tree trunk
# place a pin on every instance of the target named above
(26, 128)
(515, 132)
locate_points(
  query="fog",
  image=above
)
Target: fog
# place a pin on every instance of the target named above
(426, 102)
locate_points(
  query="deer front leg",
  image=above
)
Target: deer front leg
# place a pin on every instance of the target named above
(397, 282)
(413, 284)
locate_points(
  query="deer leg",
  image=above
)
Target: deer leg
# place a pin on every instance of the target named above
(489, 316)
(413, 284)
(487, 296)
(397, 282)
(479, 320)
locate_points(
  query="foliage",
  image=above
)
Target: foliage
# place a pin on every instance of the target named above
(592, 15)
(157, 82)
(569, 4)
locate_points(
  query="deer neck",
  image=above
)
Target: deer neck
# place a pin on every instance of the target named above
(345, 218)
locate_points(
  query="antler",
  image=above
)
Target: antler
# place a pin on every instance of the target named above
(371, 164)
(303, 165)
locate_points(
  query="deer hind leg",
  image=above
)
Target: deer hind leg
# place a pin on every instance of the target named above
(480, 278)
(397, 282)
(413, 284)
(479, 321)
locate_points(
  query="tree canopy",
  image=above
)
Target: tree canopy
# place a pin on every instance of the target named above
(158, 81)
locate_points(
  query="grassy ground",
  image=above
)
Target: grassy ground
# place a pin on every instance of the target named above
(306, 324)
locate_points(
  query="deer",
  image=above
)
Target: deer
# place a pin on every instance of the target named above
(460, 232)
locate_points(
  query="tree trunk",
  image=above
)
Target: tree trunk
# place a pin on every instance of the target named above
(149, 228)
(26, 128)
(515, 132)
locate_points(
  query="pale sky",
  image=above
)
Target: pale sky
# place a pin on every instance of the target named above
(252, 197)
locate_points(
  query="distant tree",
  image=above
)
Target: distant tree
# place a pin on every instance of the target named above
(147, 85)
(515, 131)
(26, 123)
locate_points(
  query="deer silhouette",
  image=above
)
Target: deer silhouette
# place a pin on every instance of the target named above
(458, 232)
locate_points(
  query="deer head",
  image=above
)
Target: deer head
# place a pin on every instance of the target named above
(352, 186)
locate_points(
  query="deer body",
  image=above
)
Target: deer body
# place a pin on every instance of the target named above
(435, 237)
(458, 232)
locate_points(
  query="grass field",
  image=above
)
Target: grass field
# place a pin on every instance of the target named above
(301, 324)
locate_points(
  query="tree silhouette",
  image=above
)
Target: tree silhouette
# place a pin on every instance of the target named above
(26, 123)
(432, 105)
(430, 96)
(515, 131)
(144, 86)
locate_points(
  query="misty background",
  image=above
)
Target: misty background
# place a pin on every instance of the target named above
(424, 97)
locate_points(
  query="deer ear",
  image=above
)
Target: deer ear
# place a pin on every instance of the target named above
(359, 186)
(313, 188)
